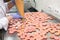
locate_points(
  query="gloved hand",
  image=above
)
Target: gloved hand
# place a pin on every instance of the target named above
(16, 15)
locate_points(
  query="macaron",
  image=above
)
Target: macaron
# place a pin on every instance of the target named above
(57, 33)
(52, 31)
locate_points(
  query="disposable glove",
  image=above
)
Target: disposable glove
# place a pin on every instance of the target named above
(16, 15)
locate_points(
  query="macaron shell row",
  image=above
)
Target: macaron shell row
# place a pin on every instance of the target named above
(34, 27)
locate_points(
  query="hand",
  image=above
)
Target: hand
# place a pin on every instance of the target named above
(15, 15)
(9, 17)
(13, 1)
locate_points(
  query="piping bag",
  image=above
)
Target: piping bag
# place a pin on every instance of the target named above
(20, 8)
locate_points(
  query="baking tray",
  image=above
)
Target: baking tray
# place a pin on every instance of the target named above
(15, 37)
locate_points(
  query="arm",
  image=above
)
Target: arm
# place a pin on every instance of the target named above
(3, 19)
(10, 5)
(4, 23)
(16, 15)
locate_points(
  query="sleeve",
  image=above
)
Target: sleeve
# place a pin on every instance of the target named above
(4, 23)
